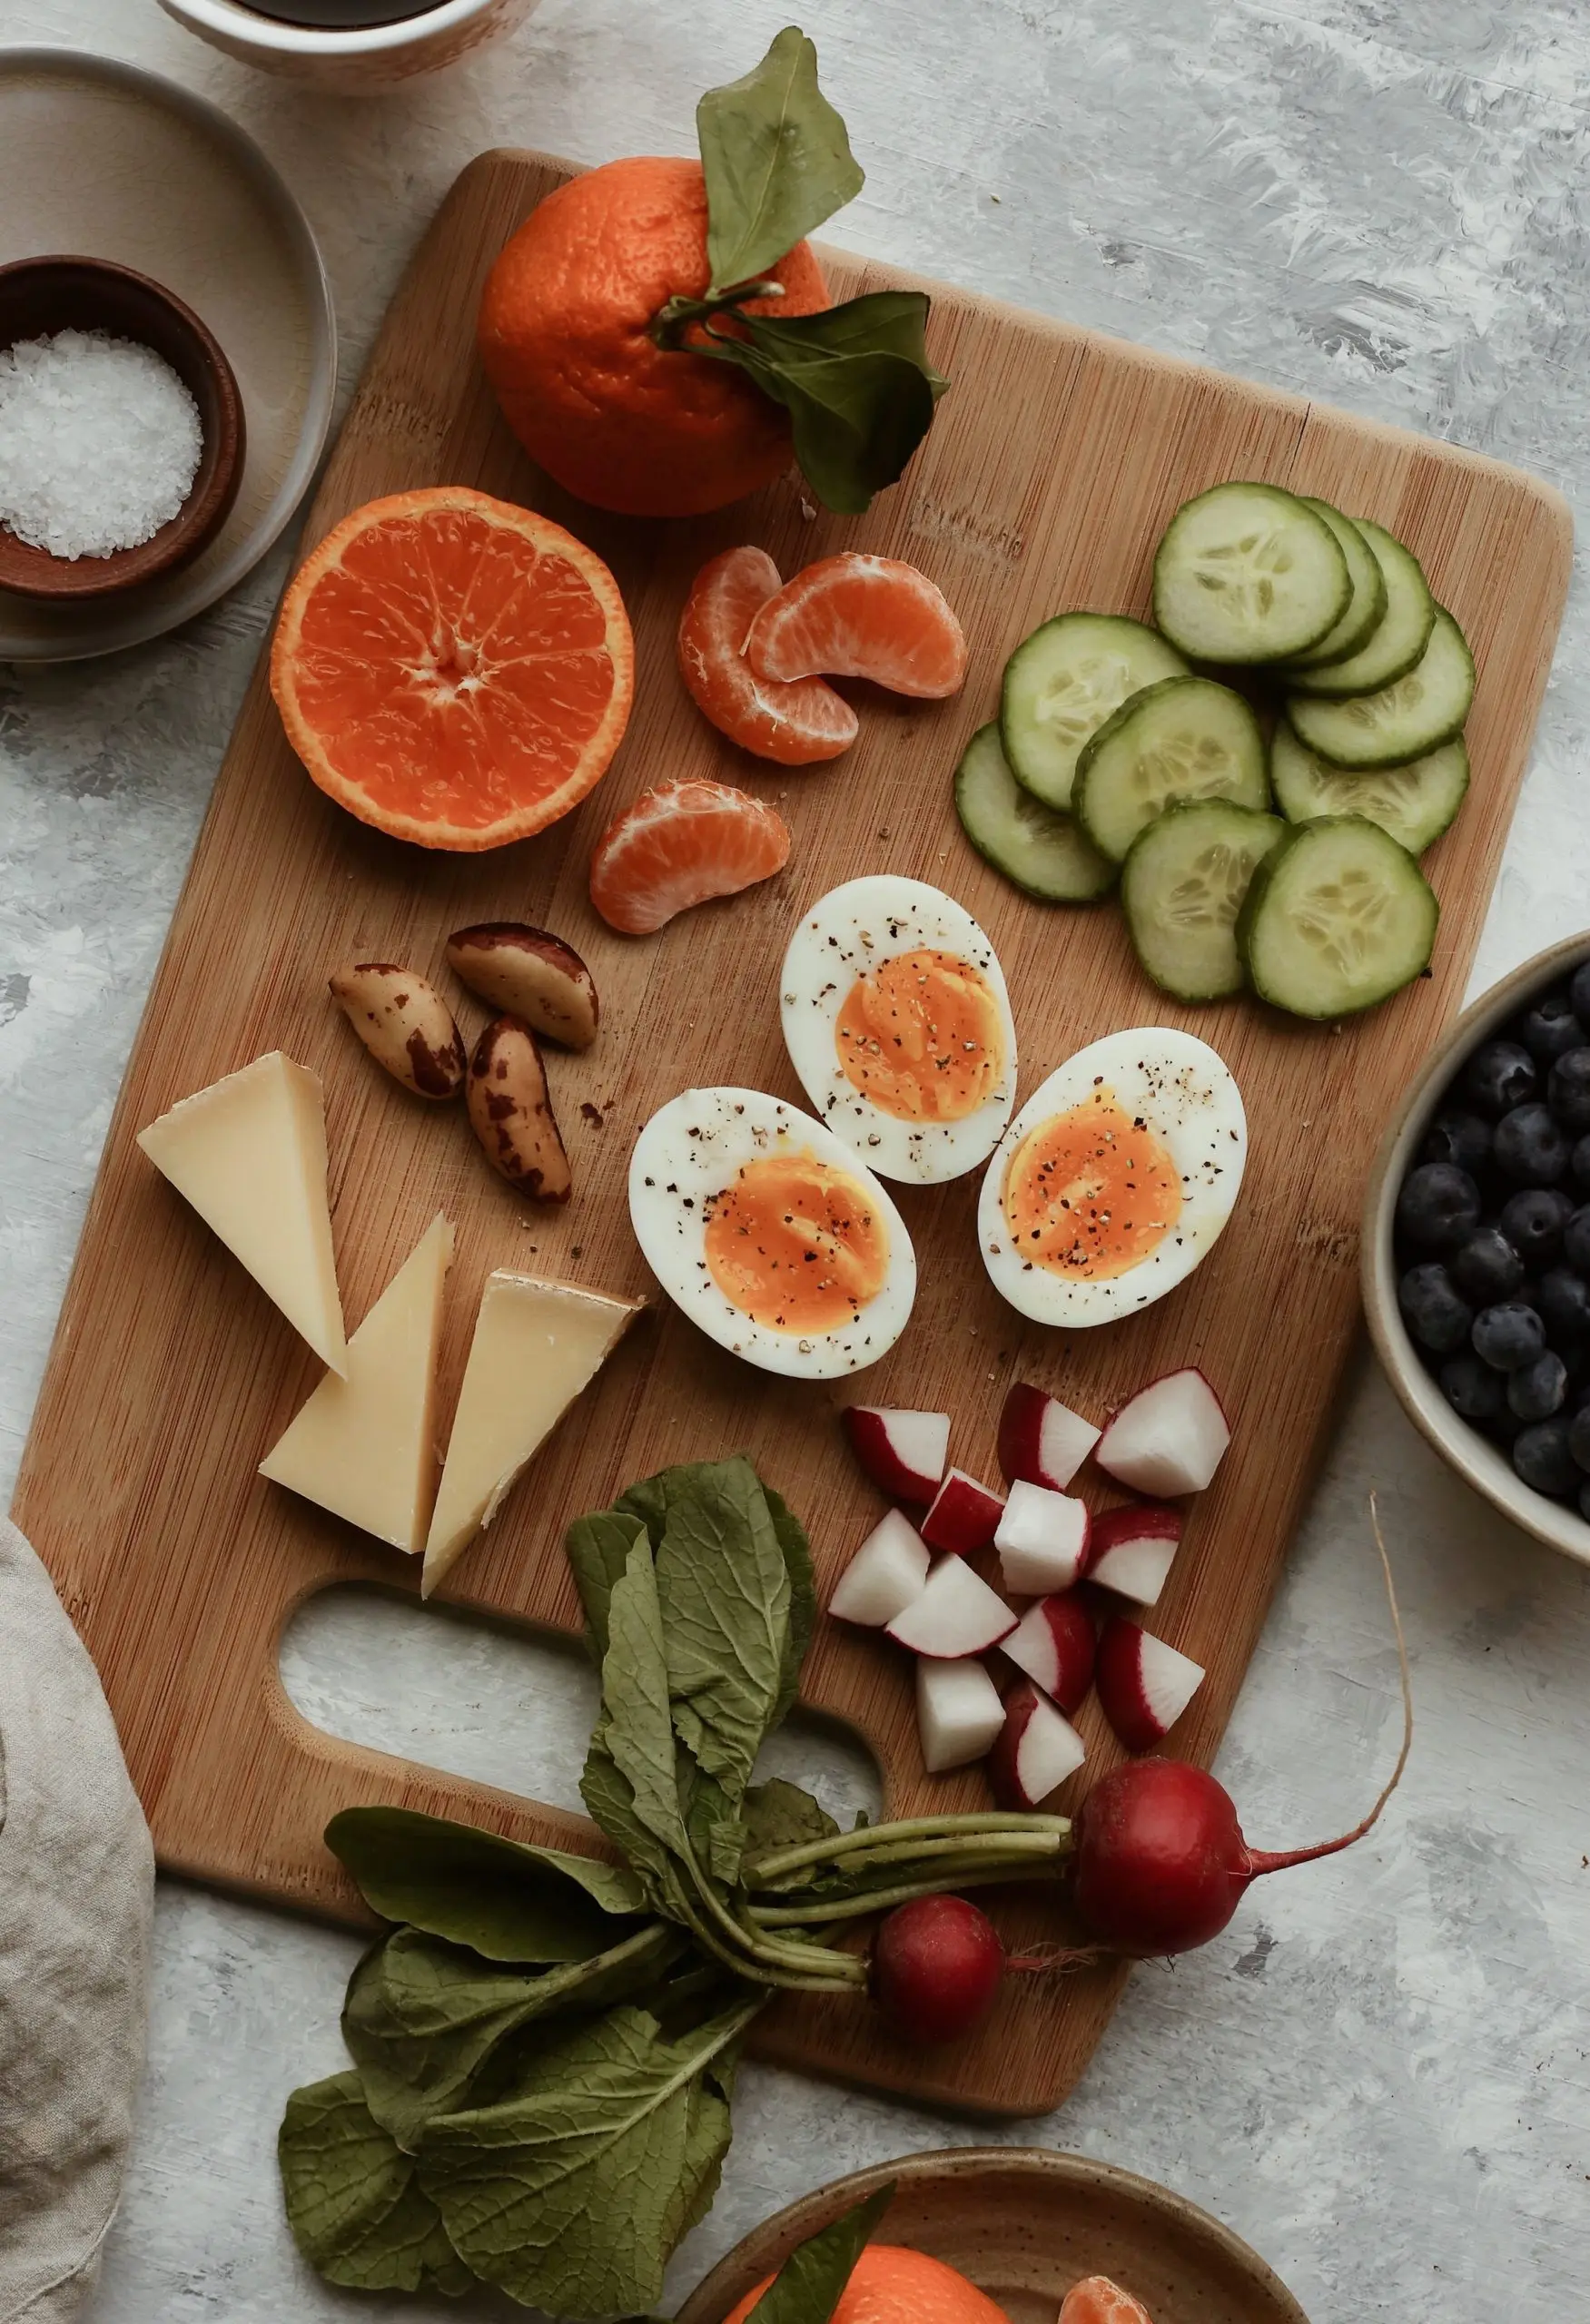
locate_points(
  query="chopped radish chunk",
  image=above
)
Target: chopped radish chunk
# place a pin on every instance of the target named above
(1042, 1441)
(888, 1571)
(955, 1615)
(964, 1516)
(1053, 1643)
(958, 1713)
(1130, 1550)
(1168, 1439)
(903, 1453)
(1144, 1685)
(1041, 1538)
(1035, 1751)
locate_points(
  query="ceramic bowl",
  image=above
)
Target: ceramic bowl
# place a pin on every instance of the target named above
(42, 295)
(1478, 1461)
(359, 61)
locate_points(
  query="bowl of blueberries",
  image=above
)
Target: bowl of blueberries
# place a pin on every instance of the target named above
(1477, 1248)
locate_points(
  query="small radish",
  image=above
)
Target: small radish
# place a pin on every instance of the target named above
(1053, 1643)
(1130, 1550)
(958, 1713)
(1169, 1439)
(964, 1516)
(1041, 1538)
(903, 1453)
(1042, 1441)
(936, 1967)
(1144, 1685)
(955, 1615)
(886, 1573)
(1035, 1751)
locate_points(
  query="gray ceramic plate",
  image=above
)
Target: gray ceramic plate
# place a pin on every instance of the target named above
(104, 160)
(1025, 2225)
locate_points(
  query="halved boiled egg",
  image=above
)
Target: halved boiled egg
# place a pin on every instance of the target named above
(897, 1022)
(769, 1234)
(1114, 1179)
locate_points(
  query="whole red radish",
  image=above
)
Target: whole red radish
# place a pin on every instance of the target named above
(936, 1967)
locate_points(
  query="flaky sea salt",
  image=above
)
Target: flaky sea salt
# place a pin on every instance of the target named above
(99, 443)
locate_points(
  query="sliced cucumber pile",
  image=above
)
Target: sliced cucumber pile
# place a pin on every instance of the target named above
(1112, 752)
(1044, 853)
(1415, 802)
(1337, 917)
(1185, 738)
(1184, 883)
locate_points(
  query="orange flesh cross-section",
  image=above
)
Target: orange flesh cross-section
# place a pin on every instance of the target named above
(922, 1037)
(795, 1244)
(1090, 1193)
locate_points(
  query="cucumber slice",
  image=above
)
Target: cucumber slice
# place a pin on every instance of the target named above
(1365, 608)
(1061, 685)
(1185, 738)
(1415, 802)
(1183, 888)
(1044, 853)
(1403, 633)
(1249, 573)
(1415, 714)
(1339, 917)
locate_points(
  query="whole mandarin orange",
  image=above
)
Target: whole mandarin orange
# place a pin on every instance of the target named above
(892, 2284)
(565, 337)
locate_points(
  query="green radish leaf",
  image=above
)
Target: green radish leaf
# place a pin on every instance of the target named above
(505, 1898)
(638, 1731)
(598, 1549)
(811, 2283)
(802, 1599)
(780, 1814)
(777, 160)
(356, 2210)
(572, 2190)
(723, 1595)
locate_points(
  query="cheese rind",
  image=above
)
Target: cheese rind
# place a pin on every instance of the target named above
(537, 1344)
(249, 1153)
(364, 1447)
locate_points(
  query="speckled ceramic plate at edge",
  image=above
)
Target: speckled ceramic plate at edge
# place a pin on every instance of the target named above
(1026, 2224)
(104, 160)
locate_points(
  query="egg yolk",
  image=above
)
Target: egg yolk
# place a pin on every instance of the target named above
(795, 1244)
(921, 1037)
(1092, 1192)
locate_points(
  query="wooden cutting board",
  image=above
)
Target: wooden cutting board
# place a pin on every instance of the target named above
(1047, 479)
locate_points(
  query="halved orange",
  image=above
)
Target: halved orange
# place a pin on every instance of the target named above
(680, 846)
(453, 669)
(855, 617)
(1097, 2301)
(795, 725)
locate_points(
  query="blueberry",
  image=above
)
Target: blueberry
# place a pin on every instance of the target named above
(1549, 1028)
(1487, 1267)
(1579, 1164)
(1579, 1436)
(1473, 1389)
(1576, 1239)
(1542, 1458)
(1567, 1091)
(1530, 1148)
(1435, 1315)
(1499, 1075)
(1506, 1336)
(1536, 1389)
(1461, 1139)
(1562, 1301)
(1579, 989)
(1533, 1223)
(1585, 1498)
(1438, 1206)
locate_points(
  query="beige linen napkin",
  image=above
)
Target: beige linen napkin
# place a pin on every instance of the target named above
(77, 1895)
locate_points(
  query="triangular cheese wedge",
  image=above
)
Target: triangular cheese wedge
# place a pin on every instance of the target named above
(365, 1447)
(250, 1154)
(537, 1345)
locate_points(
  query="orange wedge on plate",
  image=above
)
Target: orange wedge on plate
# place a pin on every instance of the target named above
(1096, 2300)
(854, 616)
(795, 725)
(452, 669)
(680, 845)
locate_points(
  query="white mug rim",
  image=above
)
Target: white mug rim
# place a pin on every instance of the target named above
(243, 24)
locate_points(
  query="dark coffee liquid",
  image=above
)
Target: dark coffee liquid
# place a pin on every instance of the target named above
(341, 15)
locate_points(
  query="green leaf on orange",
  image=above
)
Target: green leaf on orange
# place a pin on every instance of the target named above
(776, 158)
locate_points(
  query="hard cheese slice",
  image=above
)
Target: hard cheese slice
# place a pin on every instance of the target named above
(364, 1447)
(537, 1345)
(250, 1154)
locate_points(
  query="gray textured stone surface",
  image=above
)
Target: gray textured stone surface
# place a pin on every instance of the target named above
(1379, 2074)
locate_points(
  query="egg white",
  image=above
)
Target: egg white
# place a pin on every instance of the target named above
(1186, 1095)
(689, 1152)
(845, 936)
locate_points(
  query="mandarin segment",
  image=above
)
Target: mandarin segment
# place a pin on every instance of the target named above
(1097, 2301)
(680, 845)
(796, 725)
(855, 617)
